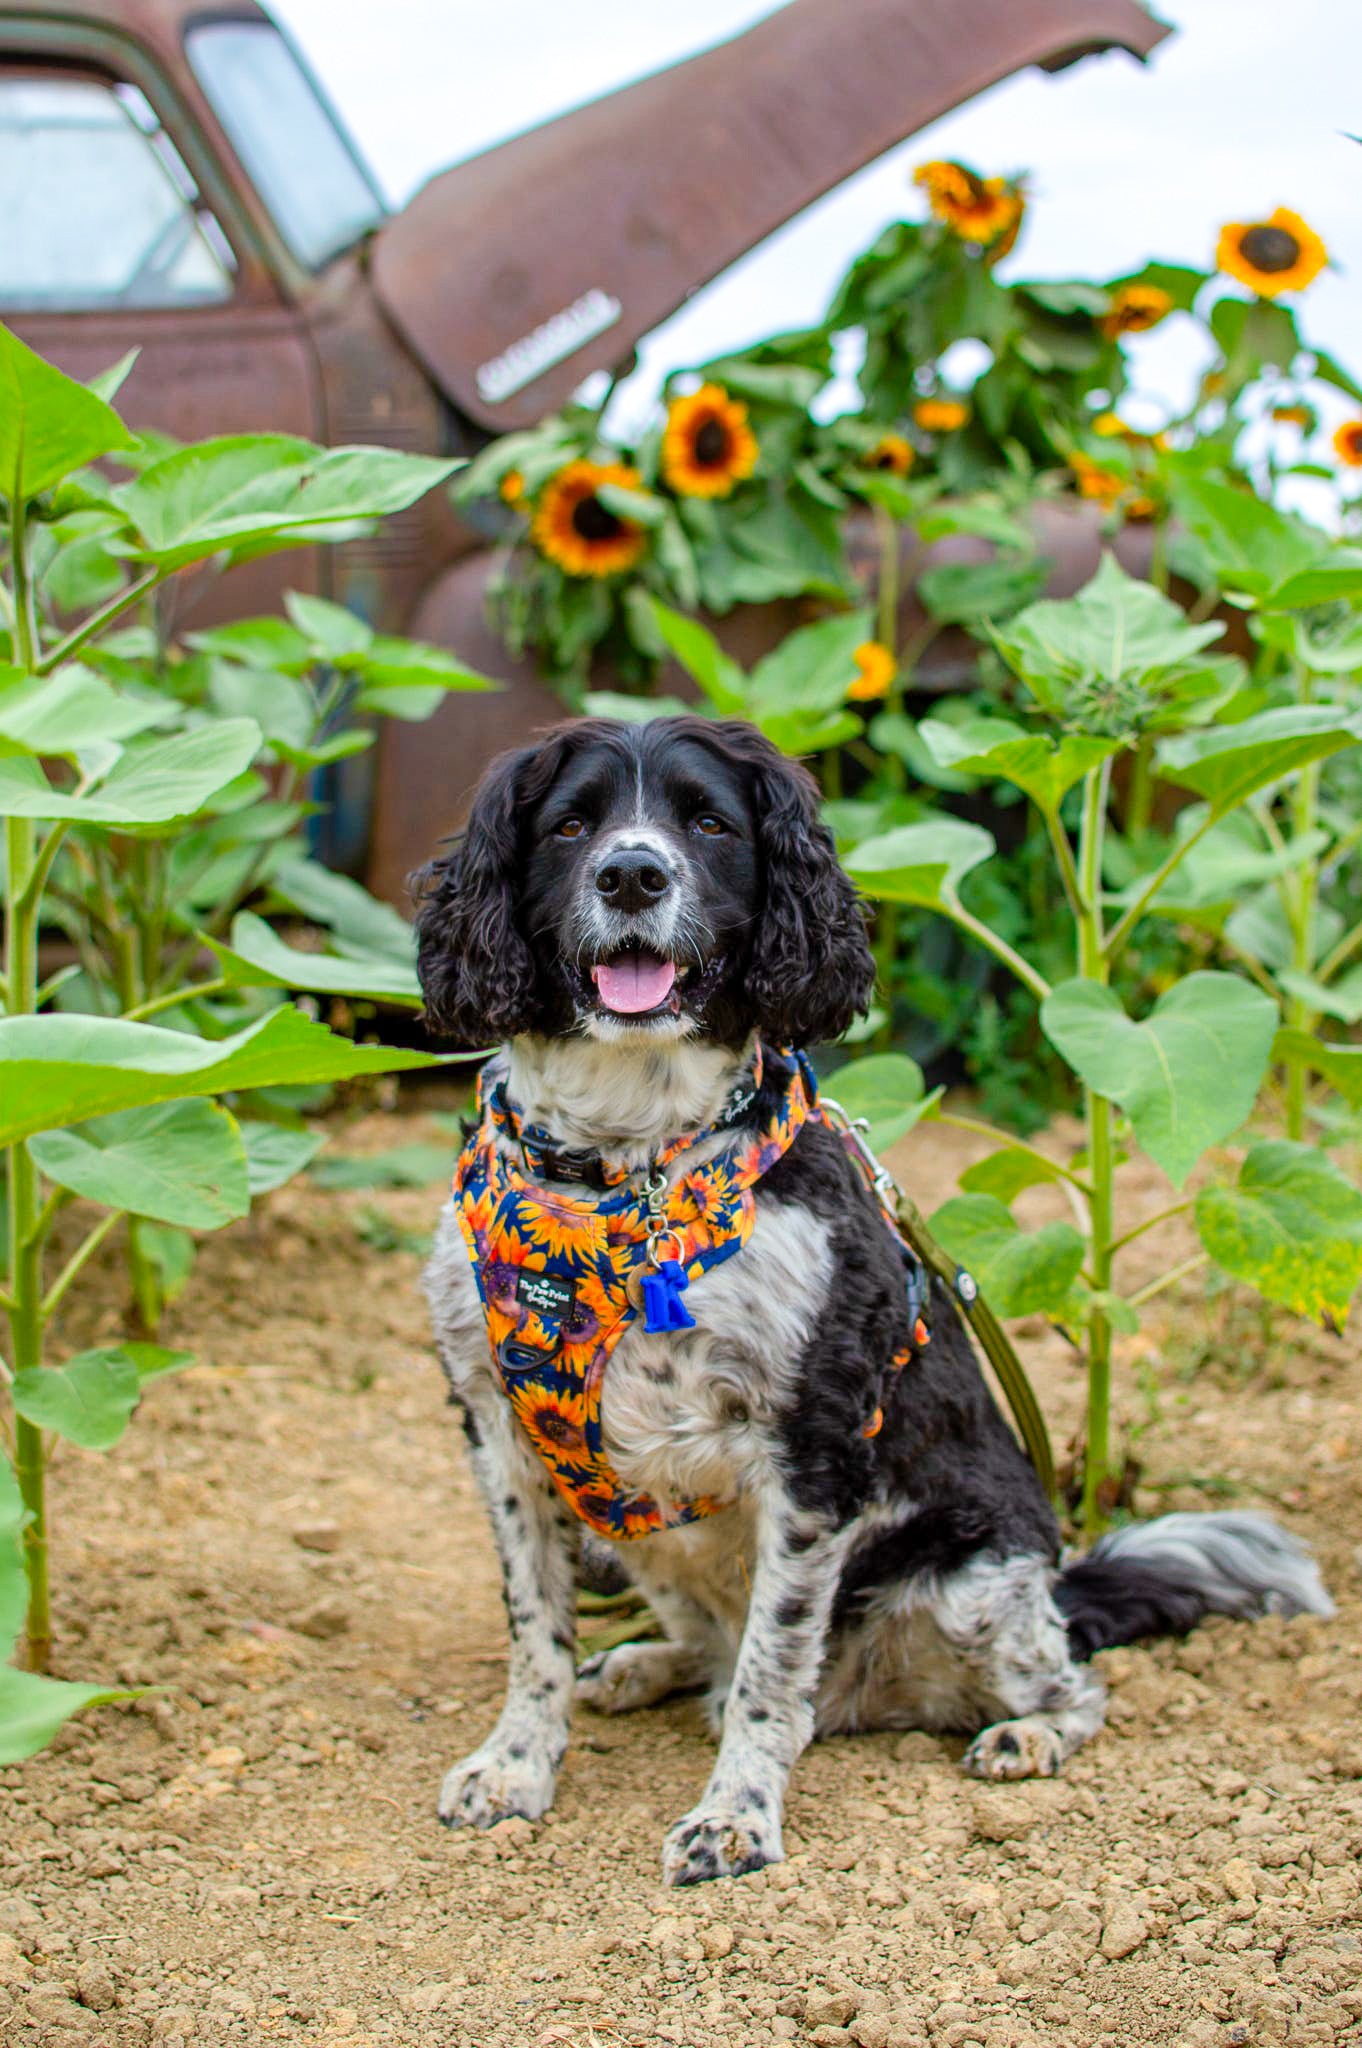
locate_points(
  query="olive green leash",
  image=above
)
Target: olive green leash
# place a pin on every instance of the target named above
(994, 1341)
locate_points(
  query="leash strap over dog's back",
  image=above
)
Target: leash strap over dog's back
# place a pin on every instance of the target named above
(906, 1219)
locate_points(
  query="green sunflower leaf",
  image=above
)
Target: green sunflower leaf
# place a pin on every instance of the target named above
(33, 1708)
(922, 863)
(1291, 1226)
(1341, 1065)
(1006, 1173)
(996, 747)
(1187, 1076)
(887, 1091)
(1020, 1273)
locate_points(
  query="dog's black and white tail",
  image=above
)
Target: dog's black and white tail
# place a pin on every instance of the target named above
(1161, 1578)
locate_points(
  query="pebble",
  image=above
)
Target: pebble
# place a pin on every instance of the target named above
(829, 2008)
(321, 1536)
(95, 1987)
(1124, 1930)
(1003, 1816)
(1239, 1878)
(324, 1621)
(15, 1967)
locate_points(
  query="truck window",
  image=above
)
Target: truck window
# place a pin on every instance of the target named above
(290, 144)
(99, 209)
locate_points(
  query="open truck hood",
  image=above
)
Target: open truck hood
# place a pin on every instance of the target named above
(515, 274)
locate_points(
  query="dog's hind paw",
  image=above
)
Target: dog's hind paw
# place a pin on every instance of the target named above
(492, 1785)
(1029, 1748)
(636, 1675)
(719, 1844)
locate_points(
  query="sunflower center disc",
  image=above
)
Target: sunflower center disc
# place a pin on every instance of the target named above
(711, 444)
(1270, 249)
(591, 520)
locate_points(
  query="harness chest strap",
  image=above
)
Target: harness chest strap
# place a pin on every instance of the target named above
(561, 1277)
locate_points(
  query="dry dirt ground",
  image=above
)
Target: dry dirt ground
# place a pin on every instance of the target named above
(287, 1544)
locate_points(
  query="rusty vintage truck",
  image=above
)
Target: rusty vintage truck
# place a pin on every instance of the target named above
(173, 179)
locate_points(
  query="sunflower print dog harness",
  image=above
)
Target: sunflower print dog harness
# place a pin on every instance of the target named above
(563, 1276)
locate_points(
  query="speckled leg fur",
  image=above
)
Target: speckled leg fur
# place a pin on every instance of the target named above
(515, 1770)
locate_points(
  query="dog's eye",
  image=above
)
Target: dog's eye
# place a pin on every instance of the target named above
(570, 828)
(709, 825)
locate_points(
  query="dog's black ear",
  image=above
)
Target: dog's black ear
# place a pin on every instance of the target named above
(812, 971)
(475, 968)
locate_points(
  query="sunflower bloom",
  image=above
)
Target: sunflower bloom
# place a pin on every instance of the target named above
(707, 445)
(893, 453)
(875, 670)
(1348, 443)
(573, 529)
(1135, 308)
(984, 211)
(554, 1419)
(1095, 481)
(940, 415)
(1281, 254)
(511, 489)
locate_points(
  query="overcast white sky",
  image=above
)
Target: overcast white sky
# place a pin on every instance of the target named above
(1244, 109)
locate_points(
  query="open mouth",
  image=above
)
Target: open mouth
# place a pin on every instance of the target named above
(638, 983)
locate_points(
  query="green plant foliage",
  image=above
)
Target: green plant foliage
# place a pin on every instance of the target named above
(922, 863)
(90, 1399)
(150, 792)
(1291, 1226)
(1187, 1076)
(247, 489)
(401, 1166)
(888, 1092)
(33, 1708)
(180, 1162)
(1116, 660)
(1006, 1173)
(1341, 1065)
(793, 695)
(258, 958)
(1230, 763)
(1021, 1272)
(275, 1153)
(48, 424)
(56, 1071)
(994, 747)
(155, 783)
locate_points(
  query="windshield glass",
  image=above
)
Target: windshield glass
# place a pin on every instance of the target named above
(289, 142)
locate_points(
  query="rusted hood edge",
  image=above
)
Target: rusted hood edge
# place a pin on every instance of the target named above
(515, 274)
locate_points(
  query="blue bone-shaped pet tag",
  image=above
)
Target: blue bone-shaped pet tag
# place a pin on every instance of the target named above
(663, 1308)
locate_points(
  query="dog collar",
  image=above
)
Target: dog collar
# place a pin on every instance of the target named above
(543, 1160)
(561, 1277)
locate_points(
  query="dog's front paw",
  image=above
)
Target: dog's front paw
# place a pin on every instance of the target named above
(1029, 1748)
(492, 1785)
(722, 1842)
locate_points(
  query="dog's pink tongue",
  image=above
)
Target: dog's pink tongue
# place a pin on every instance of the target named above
(635, 982)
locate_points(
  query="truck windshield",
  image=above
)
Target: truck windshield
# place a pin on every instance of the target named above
(289, 142)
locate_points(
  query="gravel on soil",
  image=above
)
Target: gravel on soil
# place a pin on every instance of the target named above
(287, 1546)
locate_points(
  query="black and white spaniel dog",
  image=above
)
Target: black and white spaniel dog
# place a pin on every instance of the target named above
(631, 909)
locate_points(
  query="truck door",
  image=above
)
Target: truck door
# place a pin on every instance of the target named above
(109, 244)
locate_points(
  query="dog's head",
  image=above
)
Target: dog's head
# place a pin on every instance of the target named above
(665, 880)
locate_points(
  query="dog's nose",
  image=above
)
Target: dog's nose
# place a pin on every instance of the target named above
(631, 880)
